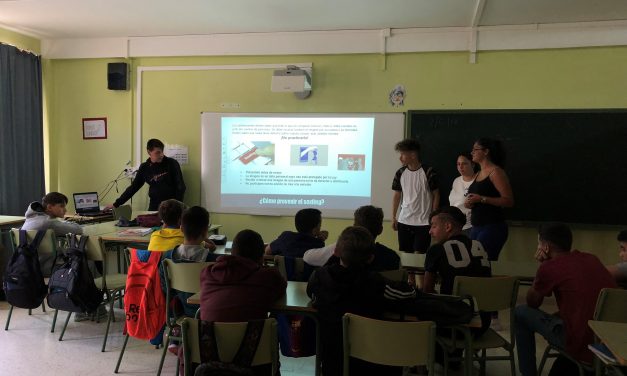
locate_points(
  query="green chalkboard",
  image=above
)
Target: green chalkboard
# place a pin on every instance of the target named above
(567, 166)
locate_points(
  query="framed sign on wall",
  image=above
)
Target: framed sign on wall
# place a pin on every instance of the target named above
(94, 128)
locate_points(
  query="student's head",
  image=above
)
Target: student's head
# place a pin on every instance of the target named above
(170, 212)
(465, 165)
(446, 222)
(248, 244)
(409, 150)
(622, 245)
(370, 218)
(54, 204)
(155, 150)
(355, 246)
(195, 223)
(308, 221)
(555, 237)
(488, 148)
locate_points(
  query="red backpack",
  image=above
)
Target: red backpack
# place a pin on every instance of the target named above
(144, 301)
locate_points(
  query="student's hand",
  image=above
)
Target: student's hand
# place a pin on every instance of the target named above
(542, 254)
(209, 244)
(471, 200)
(322, 235)
(108, 207)
(394, 224)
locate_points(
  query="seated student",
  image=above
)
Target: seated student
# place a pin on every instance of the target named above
(350, 287)
(619, 271)
(238, 287)
(46, 215)
(575, 278)
(170, 234)
(371, 218)
(309, 235)
(195, 226)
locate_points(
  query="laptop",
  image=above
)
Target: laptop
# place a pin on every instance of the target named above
(87, 204)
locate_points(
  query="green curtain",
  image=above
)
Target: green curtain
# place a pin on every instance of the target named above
(21, 130)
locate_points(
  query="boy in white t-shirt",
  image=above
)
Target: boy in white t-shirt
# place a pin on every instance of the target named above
(416, 193)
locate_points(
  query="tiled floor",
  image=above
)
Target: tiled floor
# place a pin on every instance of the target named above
(29, 349)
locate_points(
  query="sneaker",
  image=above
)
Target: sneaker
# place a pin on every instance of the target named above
(101, 313)
(81, 316)
(173, 348)
(495, 324)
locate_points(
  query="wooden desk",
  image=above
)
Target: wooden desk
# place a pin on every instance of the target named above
(614, 335)
(113, 235)
(413, 262)
(77, 218)
(8, 221)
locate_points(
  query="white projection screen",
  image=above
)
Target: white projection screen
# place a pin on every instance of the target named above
(277, 164)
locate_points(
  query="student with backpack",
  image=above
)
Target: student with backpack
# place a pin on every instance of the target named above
(46, 215)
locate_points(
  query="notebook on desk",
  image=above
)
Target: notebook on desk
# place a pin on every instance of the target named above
(87, 204)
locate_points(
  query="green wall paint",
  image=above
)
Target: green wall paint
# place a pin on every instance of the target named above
(20, 40)
(172, 102)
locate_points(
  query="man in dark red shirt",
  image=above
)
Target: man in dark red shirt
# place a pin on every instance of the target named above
(576, 278)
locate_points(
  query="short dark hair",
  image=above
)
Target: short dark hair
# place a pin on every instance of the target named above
(307, 219)
(497, 151)
(622, 236)
(248, 244)
(53, 198)
(558, 234)
(450, 214)
(408, 144)
(170, 212)
(154, 143)
(355, 246)
(371, 218)
(194, 222)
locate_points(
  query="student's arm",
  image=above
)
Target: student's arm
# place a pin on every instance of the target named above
(133, 188)
(396, 200)
(616, 272)
(435, 200)
(179, 183)
(319, 256)
(268, 250)
(534, 298)
(428, 285)
(501, 183)
(61, 228)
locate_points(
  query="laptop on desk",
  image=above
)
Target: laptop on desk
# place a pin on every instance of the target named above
(87, 204)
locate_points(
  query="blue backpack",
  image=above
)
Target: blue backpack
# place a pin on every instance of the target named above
(24, 284)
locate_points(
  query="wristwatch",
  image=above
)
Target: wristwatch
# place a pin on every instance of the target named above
(484, 199)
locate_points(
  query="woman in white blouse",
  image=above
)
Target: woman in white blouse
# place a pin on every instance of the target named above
(466, 168)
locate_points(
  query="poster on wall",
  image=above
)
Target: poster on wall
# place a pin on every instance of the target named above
(94, 128)
(178, 152)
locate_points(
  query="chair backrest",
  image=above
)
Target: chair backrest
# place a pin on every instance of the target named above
(123, 211)
(184, 276)
(47, 250)
(611, 305)
(399, 275)
(228, 338)
(369, 340)
(298, 272)
(490, 293)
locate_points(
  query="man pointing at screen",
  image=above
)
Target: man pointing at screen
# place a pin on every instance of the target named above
(161, 173)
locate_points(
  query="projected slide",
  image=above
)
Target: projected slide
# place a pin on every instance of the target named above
(283, 162)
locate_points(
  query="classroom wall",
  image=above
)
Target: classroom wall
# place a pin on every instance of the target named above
(172, 102)
(21, 41)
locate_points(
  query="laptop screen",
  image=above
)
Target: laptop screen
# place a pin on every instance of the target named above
(86, 202)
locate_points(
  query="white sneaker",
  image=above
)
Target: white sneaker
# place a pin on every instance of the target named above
(495, 324)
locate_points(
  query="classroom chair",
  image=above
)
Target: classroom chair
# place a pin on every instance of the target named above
(399, 275)
(490, 294)
(611, 306)
(112, 284)
(369, 340)
(228, 337)
(47, 252)
(293, 268)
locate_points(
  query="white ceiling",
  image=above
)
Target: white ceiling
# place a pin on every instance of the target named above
(59, 19)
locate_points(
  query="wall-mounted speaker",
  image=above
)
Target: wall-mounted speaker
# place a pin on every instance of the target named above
(117, 76)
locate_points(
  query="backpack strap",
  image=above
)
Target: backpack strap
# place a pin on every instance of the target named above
(82, 242)
(23, 240)
(207, 342)
(37, 241)
(249, 344)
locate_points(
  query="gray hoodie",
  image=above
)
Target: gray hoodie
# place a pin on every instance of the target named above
(37, 219)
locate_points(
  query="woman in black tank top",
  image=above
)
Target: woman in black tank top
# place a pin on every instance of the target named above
(488, 195)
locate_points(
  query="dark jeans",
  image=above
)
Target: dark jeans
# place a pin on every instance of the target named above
(492, 236)
(528, 322)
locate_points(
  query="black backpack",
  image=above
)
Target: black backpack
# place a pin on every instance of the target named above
(71, 286)
(24, 284)
(442, 309)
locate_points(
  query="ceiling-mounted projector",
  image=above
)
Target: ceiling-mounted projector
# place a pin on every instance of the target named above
(292, 80)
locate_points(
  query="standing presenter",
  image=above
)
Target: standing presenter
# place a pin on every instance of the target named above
(161, 173)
